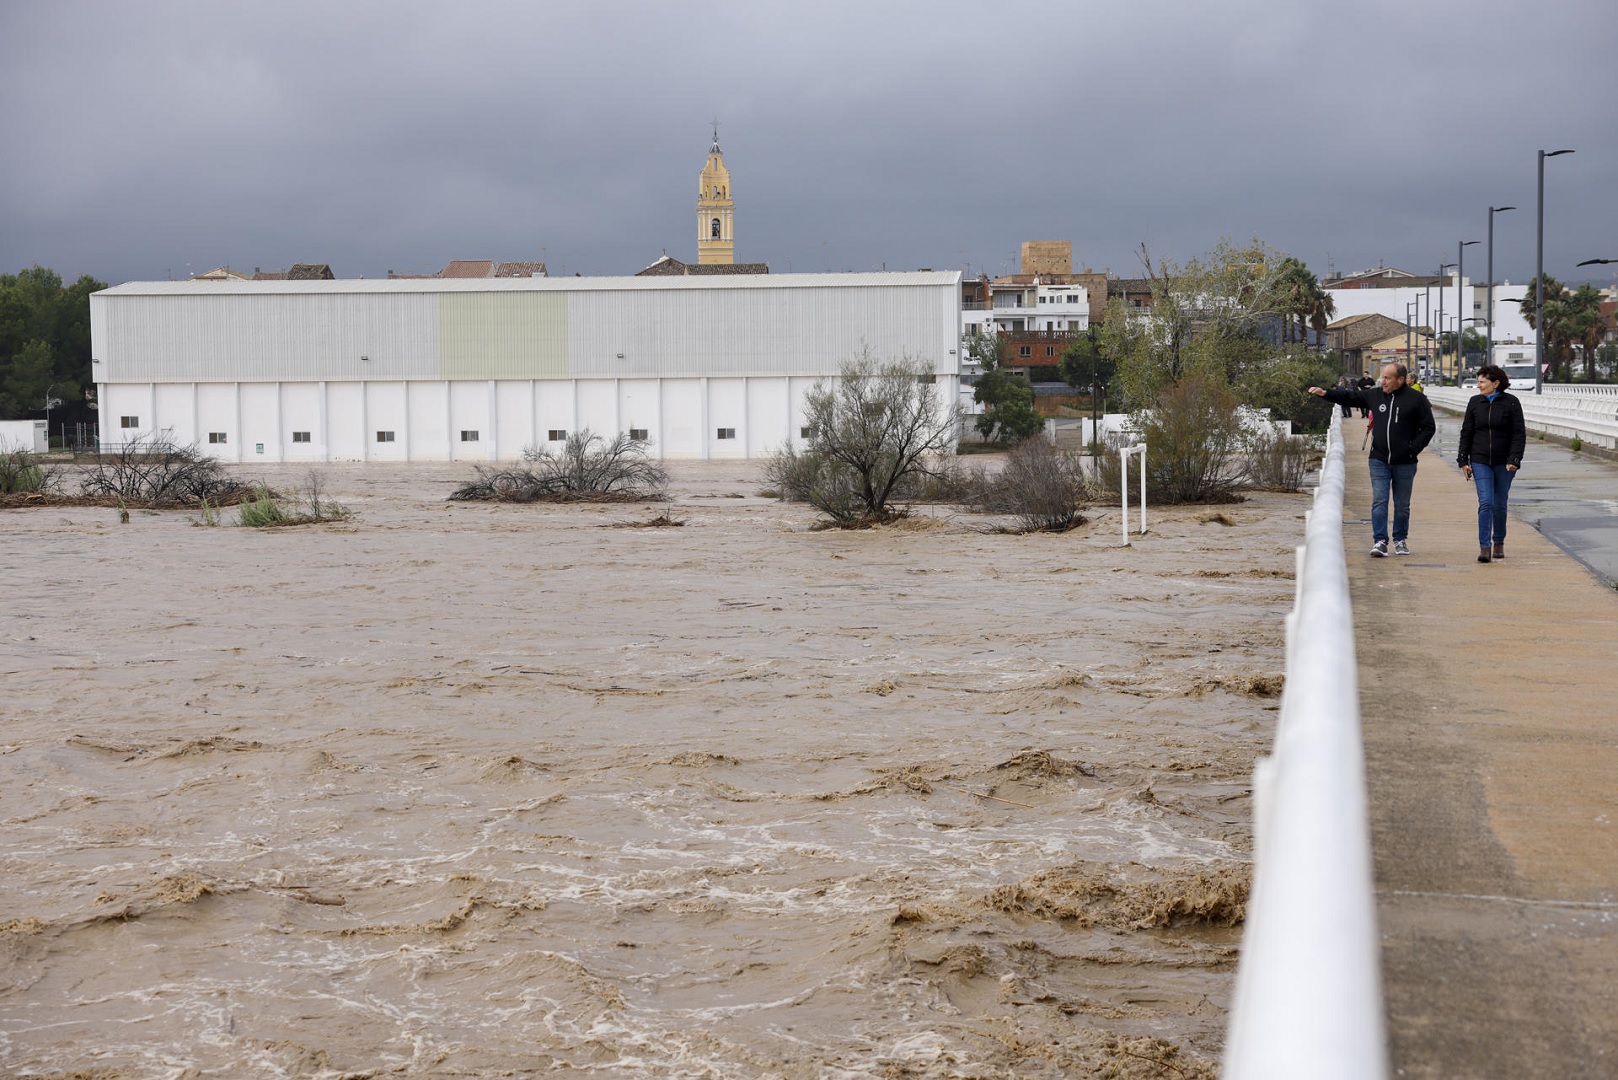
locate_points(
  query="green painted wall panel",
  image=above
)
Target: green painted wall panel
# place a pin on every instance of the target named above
(505, 335)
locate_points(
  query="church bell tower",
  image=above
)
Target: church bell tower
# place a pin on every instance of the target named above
(716, 239)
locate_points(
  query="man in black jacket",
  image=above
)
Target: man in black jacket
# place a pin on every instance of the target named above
(1402, 426)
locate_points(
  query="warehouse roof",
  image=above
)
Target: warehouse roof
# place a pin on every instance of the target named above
(571, 284)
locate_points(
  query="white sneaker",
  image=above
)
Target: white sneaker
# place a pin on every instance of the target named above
(1401, 548)
(1379, 549)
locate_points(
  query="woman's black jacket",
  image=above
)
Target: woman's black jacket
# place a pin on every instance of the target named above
(1492, 432)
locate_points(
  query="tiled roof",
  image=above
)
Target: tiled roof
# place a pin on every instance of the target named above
(669, 266)
(1128, 286)
(519, 269)
(467, 268)
(310, 272)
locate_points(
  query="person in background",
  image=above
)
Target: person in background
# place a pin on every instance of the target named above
(1365, 383)
(1493, 437)
(1402, 425)
(1345, 383)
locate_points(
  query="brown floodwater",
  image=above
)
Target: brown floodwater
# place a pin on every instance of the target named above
(458, 789)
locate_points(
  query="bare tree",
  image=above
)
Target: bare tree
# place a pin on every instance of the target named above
(872, 429)
(1043, 486)
(589, 466)
(160, 472)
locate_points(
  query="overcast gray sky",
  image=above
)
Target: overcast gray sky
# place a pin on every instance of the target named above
(159, 139)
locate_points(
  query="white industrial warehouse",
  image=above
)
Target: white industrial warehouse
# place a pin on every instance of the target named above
(478, 370)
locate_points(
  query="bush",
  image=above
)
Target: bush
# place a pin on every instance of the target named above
(1044, 487)
(261, 509)
(588, 468)
(21, 471)
(159, 472)
(1278, 462)
(309, 505)
(874, 432)
(1193, 434)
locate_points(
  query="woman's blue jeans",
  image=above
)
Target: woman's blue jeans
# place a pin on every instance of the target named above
(1397, 480)
(1494, 485)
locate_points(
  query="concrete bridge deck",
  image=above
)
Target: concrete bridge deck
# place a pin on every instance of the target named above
(1489, 700)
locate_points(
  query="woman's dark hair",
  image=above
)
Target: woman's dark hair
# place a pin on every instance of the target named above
(1495, 374)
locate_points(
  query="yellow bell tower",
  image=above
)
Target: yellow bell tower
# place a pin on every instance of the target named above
(716, 240)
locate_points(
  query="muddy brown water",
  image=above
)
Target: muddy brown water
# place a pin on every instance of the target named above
(470, 790)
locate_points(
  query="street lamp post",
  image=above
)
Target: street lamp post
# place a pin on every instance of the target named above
(1441, 268)
(1539, 276)
(49, 402)
(1489, 312)
(1460, 276)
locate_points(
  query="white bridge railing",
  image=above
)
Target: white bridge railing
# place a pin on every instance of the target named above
(1589, 413)
(1308, 987)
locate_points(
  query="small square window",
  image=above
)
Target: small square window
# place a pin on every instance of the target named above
(300, 436)
(727, 433)
(129, 421)
(556, 435)
(639, 433)
(469, 436)
(217, 437)
(384, 436)
(1025, 350)
(806, 433)
(926, 380)
(1050, 350)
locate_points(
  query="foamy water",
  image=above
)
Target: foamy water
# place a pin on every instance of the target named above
(466, 790)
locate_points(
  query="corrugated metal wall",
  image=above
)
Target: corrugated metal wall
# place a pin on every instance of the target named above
(613, 328)
(436, 371)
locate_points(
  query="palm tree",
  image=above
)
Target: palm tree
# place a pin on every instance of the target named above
(1586, 327)
(1300, 299)
(1557, 345)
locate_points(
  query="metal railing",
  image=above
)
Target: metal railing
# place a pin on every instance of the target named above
(1308, 987)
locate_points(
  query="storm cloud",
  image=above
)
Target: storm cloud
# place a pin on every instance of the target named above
(154, 140)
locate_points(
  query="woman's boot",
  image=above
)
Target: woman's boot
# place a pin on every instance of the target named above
(1483, 553)
(1499, 549)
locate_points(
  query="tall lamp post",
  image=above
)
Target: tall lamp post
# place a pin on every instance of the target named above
(1460, 276)
(1539, 276)
(49, 403)
(1441, 268)
(1488, 313)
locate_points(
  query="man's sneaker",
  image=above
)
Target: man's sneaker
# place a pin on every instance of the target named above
(1379, 549)
(1401, 548)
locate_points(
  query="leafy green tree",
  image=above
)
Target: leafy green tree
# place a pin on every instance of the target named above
(1085, 363)
(1008, 402)
(44, 341)
(28, 378)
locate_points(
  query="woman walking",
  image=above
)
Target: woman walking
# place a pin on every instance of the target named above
(1492, 441)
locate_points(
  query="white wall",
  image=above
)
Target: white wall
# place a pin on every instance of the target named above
(23, 435)
(682, 417)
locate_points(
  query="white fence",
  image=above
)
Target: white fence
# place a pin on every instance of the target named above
(1587, 413)
(1309, 988)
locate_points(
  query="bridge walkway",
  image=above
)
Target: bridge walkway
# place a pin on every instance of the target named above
(1489, 703)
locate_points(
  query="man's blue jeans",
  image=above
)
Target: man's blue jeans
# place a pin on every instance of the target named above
(1401, 479)
(1494, 485)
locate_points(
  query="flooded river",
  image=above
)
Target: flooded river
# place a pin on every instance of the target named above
(474, 790)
